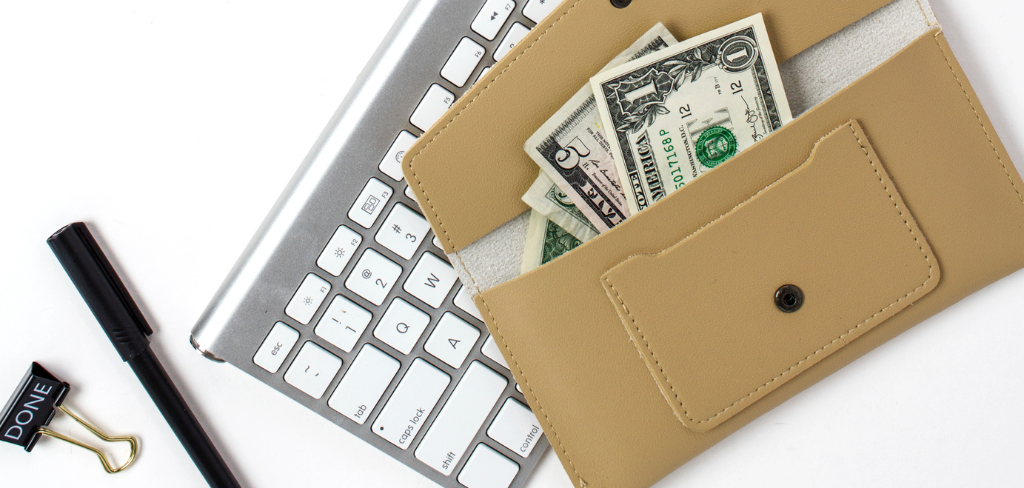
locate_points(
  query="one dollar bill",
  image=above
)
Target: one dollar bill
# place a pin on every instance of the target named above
(547, 198)
(545, 241)
(675, 114)
(572, 150)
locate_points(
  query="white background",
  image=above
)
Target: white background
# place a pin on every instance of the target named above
(171, 127)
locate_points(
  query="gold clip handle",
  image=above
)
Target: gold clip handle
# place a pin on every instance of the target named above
(103, 458)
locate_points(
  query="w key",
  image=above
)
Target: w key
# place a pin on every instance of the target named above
(431, 280)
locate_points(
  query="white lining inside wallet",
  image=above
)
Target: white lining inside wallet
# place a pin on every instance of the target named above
(809, 78)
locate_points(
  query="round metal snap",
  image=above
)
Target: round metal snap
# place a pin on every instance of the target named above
(621, 3)
(789, 298)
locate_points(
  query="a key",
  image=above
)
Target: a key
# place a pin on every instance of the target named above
(312, 370)
(308, 298)
(536, 10)
(411, 403)
(461, 418)
(451, 340)
(370, 203)
(491, 17)
(391, 165)
(486, 468)
(515, 34)
(275, 347)
(403, 231)
(430, 280)
(339, 250)
(464, 301)
(363, 384)
(401, 326)
(490, 349)
(462, 62)
(434, 104)
(373, 276)
(516, 428)
(343, 323)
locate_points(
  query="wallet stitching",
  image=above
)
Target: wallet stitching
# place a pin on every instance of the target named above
(447, 124)
(978, 116)
(906, 222)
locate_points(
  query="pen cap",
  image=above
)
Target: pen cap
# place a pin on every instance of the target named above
(102, 290)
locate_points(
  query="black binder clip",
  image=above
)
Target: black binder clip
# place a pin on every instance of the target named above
(33, 406)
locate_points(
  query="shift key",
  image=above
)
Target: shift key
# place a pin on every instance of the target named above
(411, 403)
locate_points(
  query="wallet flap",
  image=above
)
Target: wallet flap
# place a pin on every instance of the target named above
(469, 171)
(715, 316)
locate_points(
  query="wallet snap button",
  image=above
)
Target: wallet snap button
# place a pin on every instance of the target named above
(789, 298)
(621, 3)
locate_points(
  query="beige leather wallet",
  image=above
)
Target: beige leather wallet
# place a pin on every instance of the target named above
(887, 200)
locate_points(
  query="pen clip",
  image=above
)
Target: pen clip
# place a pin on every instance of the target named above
(132, 441)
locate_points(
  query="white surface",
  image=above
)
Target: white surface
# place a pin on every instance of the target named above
(487, 469)
(491, 17)
(339, 250)
(373, 276)
(451, 340)
(343, 323)
(312, 370)
(430, 280)
(464, 301)
(448, 438)
(276, 347)
(515, 34)
(363, 384)
(172, 127)
(307, 299)
(490, 349)
(403, 231)
(434, 104)
(411, 403)
(391, 164)
(462, 62)
(536, 10)
(370, 203)
(401, 326)
(515, 427)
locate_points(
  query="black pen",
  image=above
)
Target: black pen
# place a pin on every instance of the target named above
(121, 319)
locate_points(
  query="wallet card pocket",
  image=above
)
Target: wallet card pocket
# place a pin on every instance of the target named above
(763, 292)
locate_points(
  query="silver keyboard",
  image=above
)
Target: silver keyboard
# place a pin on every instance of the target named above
(344, 301)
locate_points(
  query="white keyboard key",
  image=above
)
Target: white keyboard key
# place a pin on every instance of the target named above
(515, 34)
(490, 19)
(487, 468)
(343, 323)
(462, 62)
(308, 298)
(370, 203)
(408, 193)
(312, 370)
(403, 231)
(363, 384)
(490, 349)
(536, 10)
(482, 73)
(339, 250)
(516, 428)
(431, 280)
(464, 301)
(437, 243)
(373, 277)
(435, 103)
(451, 340)
(401, 326)
(411, 404)
(461, 418)
(391, 165)
(275, 347)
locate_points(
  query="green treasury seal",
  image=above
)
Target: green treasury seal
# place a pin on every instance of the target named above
(715, 146)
